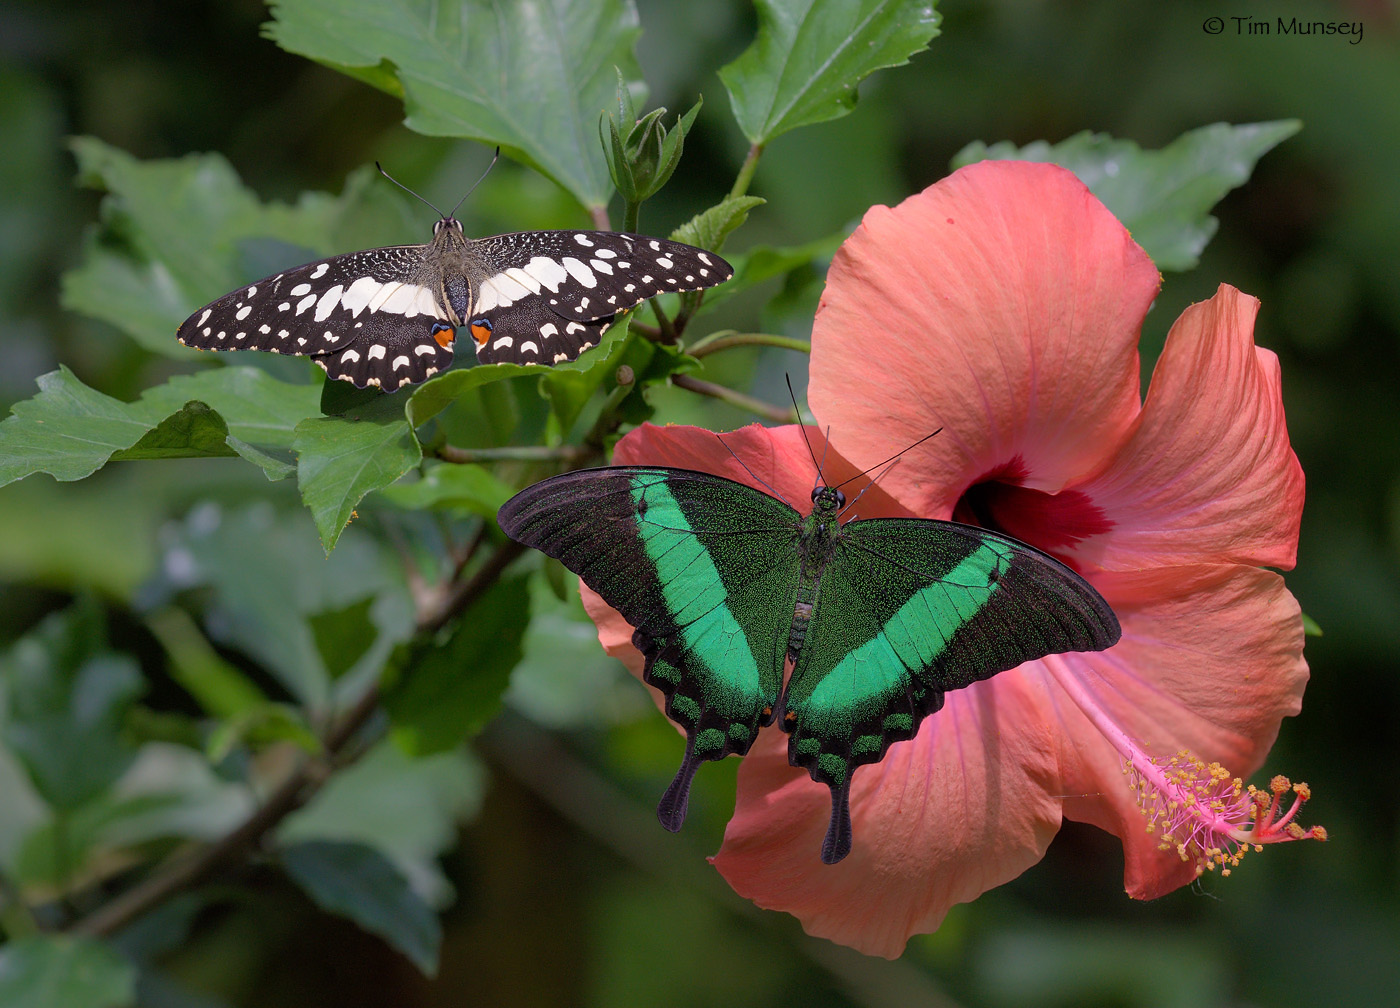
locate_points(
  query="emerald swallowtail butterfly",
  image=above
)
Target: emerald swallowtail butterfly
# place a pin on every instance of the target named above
(880, 617)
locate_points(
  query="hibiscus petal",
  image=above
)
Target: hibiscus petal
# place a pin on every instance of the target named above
(1211, 661)
(1207, 474)
(964, 806)
(1003, 304)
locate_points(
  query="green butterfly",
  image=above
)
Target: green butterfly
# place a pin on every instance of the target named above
(880, 617)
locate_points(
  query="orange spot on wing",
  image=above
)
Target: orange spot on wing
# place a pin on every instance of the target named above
(481, 334)
(446, 335)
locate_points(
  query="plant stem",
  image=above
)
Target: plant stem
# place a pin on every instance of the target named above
(631, 213)
(746, 170)
(599, 213)
(666, 331)
(745, 402)
(513, 453)
(716, 342)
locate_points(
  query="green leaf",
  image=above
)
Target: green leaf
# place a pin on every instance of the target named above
(262, 726)
(709, 228)
(342, 458)
(467, 487)
(70, 431)
(765, 262)
(56, 971)
(176, 235)
(809, 56)
(408, 809)
(1162, 197)
(447, 692)
(221, 689)
(260, 575)
(59, 848)
(355, 881)
(531, 76)
(343, 635)
(67, 698)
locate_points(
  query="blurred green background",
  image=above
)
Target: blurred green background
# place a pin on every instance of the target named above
(566, 890)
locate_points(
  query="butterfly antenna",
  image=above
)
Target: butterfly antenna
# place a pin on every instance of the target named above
(756, 477)
(798, 410)
(494, 158)
(896, 455)
(893, 462)
(444, 216)
(405, 188)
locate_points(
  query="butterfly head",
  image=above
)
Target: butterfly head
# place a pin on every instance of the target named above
(827, 498)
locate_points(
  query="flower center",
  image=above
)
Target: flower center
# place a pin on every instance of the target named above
(1050, 522)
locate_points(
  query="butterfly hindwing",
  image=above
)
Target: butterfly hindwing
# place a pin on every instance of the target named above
(907, 610)
(704, 568)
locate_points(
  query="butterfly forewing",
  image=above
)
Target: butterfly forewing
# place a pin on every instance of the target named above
(704, 568)
(388, 316)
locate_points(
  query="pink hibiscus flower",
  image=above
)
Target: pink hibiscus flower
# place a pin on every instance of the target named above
(1003, 304)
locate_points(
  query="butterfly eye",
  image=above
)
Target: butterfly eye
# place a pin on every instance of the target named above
(817, 491)
(840, 499)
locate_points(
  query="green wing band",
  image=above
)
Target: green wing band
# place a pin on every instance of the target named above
(906, 610)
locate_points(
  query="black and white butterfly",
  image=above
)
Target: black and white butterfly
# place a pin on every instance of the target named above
(388, 316)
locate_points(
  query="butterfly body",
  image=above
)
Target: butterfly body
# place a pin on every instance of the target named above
(877, 618)
(388, 316)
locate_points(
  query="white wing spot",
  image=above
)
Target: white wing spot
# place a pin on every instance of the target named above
(664, 262)
(582, 239)
(655, 246)
(401, 361)
(252, 291)
(306, 303)
(605, 254)
(328, 335)
(320, 271)
(504, 341)
(549, 329)
(299, 290)
(328, 301)
(601, 266)
(670, 280)
(243, 312)
(613, 299)
(301, 340)
(241, 335)
(283, 334)
(630, 288)
(205, 318)
(573, 327)
(529, 346)
(376, 352)
(560, 357)
(205, 332)
(704, 272)
(349, 356)
(264, 329)
(222, 335)
(285, 306)
(579, 271)
(420, 349)
(623, 265)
